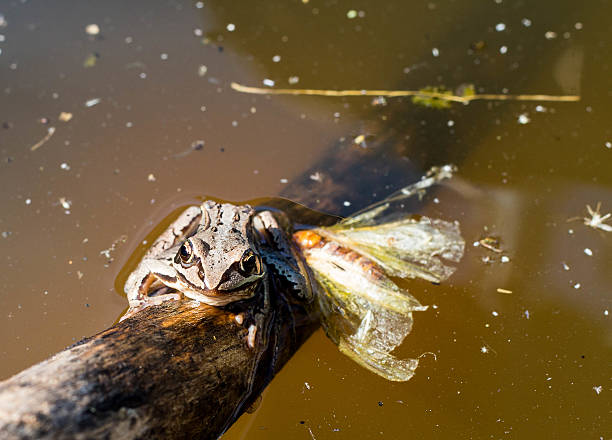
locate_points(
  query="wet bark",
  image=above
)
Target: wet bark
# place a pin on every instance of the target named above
(176, 370)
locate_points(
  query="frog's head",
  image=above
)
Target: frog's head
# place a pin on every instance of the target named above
(219, 263)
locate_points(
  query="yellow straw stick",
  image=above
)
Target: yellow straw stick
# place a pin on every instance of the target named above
(398, 93)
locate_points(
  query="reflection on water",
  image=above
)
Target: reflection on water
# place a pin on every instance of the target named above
(155, 126)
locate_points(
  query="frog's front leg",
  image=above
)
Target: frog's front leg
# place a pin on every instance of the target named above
(152, 279)
(281, 255)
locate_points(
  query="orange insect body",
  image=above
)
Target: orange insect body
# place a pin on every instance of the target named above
(308, 239)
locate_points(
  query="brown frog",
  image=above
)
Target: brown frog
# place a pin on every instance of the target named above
(219, 254)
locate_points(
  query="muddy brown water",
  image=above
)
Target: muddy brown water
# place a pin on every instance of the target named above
(531, 363)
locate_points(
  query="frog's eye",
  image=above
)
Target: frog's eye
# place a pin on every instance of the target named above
(250, 263)
(185, 255)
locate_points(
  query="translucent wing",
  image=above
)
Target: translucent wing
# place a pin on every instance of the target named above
(363, 310)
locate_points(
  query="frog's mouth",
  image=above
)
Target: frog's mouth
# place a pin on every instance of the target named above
(214, 297)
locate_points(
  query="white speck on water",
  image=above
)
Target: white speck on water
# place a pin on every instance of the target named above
(268, 82)
(231, 27)
(484, 349)
(570, 231)
(199, 5)
(164, 56)
(588, 252)
(64, 166)
(197, 32)
(142, 75)
(253, 110)
(3, 21)
(128, 40)
(503, 50)
(435, 52)
(202, 69)
(504, 259)
(28, 201)
(65, 203)
(540, 109)
(523, 119)
(606, 312)
(499, 27)
(526, 22)
(92, 102)
(351, 14)
(608, 144)
(129, 124)
(578, 26)
(346, 203)
(494, 313)
(283, 180)
(598, 389)
(565, 266)
(476, 244)
(436, 200)
(550, 35)
(293, 79)
(577, 286)
(450, 123)
(234, 123)
(526, 314)
(276, 58)
(92, 29)
(2, 38)
(151, 177)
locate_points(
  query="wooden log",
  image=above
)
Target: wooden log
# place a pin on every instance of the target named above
(175, 370)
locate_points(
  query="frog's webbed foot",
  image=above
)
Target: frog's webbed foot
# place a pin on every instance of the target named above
(144, 289)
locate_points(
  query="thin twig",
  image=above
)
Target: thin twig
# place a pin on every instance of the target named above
(41, 142)
(398, 93)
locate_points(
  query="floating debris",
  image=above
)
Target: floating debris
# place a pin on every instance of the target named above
(596, 220)
(92, 29)
(195, 146)
(424, 93)
(523, 119)
(151, 177)
(293, 80)
(490, 243)
(550, 35)
(588, 252)
(360, 140)
(65, 116)
(598, 389)
(42, 142)
(231, 27)
(91, 60)
(202, 69)
(504, 291)
(92, 102)
(107, 252)
(317, 177)
(500, 27)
